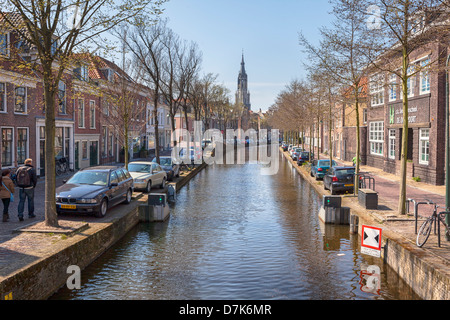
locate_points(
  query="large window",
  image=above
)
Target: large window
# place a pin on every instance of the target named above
(62, 97)
(392, 87)
(410, 81)
(376, 137)
(424, 145)
(425, 76)
(22, 145)
(80, 113)
(392, 143)
(376, 89)
(2, 97)
(7, 144)
(92, 114)
(4, 44)
(20, 100)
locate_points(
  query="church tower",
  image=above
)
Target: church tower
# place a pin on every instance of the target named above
(242, 94)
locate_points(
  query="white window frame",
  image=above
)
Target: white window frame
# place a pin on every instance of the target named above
(376, 89)
(25, 98)
(92, 114)
(3, 108)
(81, 113)
(62, 88)
(425, 76)
(376, 137)
(424, 142)
(393, 87)
(411, 81)
(13, 144)
(27, 145)
(392, 150)
(8, 42)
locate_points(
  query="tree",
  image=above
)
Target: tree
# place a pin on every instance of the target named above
(404, 26)
(45, 27)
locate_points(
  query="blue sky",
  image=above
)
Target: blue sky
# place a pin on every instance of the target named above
(266, 30)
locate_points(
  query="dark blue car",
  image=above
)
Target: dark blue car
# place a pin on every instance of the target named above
(339, 179)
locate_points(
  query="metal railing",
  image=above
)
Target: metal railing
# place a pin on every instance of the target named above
(416, 209)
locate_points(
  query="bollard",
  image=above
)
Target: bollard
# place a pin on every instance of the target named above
(354, 220)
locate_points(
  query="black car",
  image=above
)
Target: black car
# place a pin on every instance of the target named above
(339, 179)
(93, 190)
(303, 157)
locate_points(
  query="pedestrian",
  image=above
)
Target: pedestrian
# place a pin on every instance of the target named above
(6, 192)
(26, 180)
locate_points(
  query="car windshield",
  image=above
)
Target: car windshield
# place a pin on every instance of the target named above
(344, 172)
(139, 167)
(165, 161)
(305, 154)
(99, 178)
(298, 150)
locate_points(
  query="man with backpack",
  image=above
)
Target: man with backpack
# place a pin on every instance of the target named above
(26, 179)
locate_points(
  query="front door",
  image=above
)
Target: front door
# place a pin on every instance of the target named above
(93, 158)
(77, 151)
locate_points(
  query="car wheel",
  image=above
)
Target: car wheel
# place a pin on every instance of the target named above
(325, 186)
(128, 196)
(333, 192)
(311, 173)
(102, 210)
(148, 188)
(163, 184)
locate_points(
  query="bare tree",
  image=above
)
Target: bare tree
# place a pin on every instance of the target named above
(46, 28)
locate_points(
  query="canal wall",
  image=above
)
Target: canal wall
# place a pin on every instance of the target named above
(48, 271)
(424, 272)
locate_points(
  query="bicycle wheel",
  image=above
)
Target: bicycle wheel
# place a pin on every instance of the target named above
(58, 169)
(424, 231)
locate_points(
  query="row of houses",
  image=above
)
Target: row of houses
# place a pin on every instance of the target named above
(381, 119)
(87, 124)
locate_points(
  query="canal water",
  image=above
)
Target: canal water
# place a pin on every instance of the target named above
(236, 234)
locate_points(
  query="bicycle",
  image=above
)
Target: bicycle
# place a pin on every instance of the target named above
(61, 166)
(425, 228)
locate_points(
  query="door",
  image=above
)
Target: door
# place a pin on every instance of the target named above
(77, 151)
(115, 192)
(93, 154)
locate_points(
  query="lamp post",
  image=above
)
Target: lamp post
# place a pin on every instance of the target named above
(447, 147)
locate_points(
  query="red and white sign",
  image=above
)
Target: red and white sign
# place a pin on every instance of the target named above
(371, 241)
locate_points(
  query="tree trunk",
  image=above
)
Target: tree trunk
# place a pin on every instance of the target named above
(404, 151)
(51, 216)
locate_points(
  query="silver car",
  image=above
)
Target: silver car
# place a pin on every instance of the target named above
(147, 174)
(172, 169)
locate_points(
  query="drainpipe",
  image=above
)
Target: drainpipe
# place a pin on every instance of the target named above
(447, 146)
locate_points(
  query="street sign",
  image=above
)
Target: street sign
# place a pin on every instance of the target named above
(371, 241)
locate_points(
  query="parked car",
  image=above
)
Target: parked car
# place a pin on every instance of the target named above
(147, 174)
(94, 190)
(292, 150)
(320, 167)
(303, 157)
(296, 153)
(284, 146)
(172, 169)
(339, 179)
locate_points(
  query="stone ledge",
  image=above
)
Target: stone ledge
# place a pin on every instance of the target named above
(65, 227)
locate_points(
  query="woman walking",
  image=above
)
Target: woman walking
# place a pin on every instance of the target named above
(6, 190)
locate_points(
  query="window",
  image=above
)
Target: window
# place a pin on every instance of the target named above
(425, 77)
(392, 87)
(80, 113)
(20, 105)
(113, 178)
(410, 81)
(111, 142)
(22, 145)
(66, 142)
(104, 141)
(365, 115)
(376, 90)
(376, 137)
(2, 97)
(62, 97)
(392, 143)
(7, 144)
(424, 145)
(92, 114)
(4, 44)
(84, 149)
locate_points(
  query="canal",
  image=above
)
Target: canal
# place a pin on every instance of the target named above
(236, 234)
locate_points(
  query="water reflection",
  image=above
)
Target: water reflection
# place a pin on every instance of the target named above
(235, 234)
